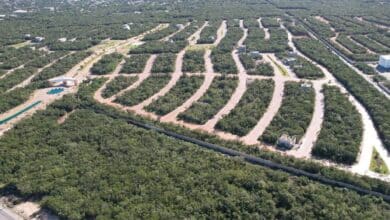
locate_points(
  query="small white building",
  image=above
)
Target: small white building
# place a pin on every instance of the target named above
(179, 26)
(20, 11)
(384, 61)
(126, 27)
(286, 142)
(62, 39)
(242, 49)
(38, 39)
(63, 81)
(27, 36)
(255, 54)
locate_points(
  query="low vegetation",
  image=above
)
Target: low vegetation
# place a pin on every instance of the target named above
(183, 90)
(135, 64)
(213, 100)
(157, 47)
(372, 99)
(249, 110)
(193, 61)
(161, 33)
(264, 69)
(12, 99)
(278, 41)
(221, 56)
(370, 44)
(342, 129)
(304, 69)
(209, 33)
(62, 66)
(350, 45)
(164, 63)
(294, 115)
(117, 84)
(106, 64)
(377, 164)
(365, 68)
(149, 87)
(270, 22)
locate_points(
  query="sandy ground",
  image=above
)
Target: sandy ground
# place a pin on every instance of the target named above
(266, 32)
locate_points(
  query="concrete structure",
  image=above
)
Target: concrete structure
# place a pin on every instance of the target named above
(27, 36)
(289, 60)
(255, 54)
(38, 39)
(126, 27)
(63, 81)
(384, 61)
(242, 49)
(20, 11)
(286, 142)
(179, 26)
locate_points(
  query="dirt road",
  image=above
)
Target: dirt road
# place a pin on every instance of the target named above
(266, 31)
(240, 90)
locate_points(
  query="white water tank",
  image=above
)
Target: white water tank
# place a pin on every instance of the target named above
(384, 61)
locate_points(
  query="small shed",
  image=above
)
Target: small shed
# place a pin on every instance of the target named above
(289, 60)
(255, 54)
(384, 61)
(286, 142)
(63, 80)
(179, 26)
(38, 39)
(242, 49)
(27, 36)
(126, 27)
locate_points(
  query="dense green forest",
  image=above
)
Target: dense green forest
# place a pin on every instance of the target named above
(95, 165)
(102, 163)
